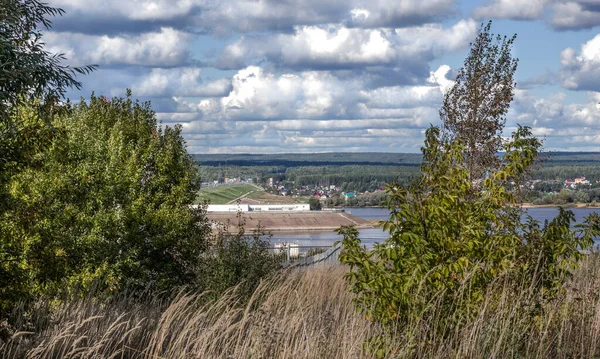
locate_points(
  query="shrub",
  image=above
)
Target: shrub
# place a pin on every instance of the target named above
(315, 204)
(106, 202)
(448, 233)
(237, 259)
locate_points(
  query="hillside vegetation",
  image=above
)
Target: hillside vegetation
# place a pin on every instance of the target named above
(225, 194)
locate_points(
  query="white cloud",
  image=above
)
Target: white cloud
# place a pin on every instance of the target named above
(440, 77)
(134, 10)
(581, 71)
(165, 48)
(567, 126)
(181, 81)
(511, 9)
(561, 14)
(215, 16)
(575, 14)
(261, 95)
(253, 15)
(339, 46)
(312, 110)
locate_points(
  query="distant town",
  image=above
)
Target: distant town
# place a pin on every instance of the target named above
(359, 179)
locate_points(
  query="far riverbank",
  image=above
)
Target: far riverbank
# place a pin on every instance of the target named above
(305, 221)
(568, 205)
(370, 236)
(524, 205)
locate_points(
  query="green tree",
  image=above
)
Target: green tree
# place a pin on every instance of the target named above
(237, 258)
(475, 108)
(28, 74)
(107, 201)
(445, 232)
(564, 196)
(314, 203)
(27, 71)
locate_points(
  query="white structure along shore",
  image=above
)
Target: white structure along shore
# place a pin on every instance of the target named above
(300, 207)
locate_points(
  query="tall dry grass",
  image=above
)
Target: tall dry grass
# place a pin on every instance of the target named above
(304, 313)
(309, 313)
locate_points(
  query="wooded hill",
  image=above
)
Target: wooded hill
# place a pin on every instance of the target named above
(337, 168)
(310, 159)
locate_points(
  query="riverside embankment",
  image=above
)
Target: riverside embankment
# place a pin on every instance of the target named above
(290, 221)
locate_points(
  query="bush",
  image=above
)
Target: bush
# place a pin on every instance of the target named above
(106, 202)
(448, 233)
(237, 259)
(315, 204)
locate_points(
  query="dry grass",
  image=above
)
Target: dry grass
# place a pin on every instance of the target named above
(302, 314)
(309, 314)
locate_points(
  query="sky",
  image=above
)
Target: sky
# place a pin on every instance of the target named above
(275, 76)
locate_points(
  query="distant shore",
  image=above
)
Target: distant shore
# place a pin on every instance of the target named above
(525, 205)
(290, 221)
(569, 205)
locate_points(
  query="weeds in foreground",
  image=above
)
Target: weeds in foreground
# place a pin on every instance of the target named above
(309, 313)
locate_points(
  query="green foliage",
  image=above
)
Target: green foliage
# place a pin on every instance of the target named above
(447, 230)
(106, 202)
(224, 194)
(351, 177)
(475, 108)
(314, 203)
(27, 71)
(28, 74)
(236, 258)
(365, 175)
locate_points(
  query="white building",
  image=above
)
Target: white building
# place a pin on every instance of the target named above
(258, 207)
(228, 208)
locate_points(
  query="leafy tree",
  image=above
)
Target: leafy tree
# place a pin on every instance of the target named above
(314, 203)
(27, 71)
(28, 74)
(237, 258)
(475, 108)
(458, 229)
(445, 233)
(107, 201)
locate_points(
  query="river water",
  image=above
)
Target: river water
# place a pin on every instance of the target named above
(371, 235)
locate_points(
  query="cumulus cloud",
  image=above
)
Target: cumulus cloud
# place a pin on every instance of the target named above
(256, 15)
(313, 75)
(566, 126)
(252, 119)
(575, 14)
(165, 48)
(135, 10)
(311, 109)
(337, 46)
(581, 70)
(511, 9)
(560, 14)
(267, 138)
(247, 16)
(260, 95)
(181, 81)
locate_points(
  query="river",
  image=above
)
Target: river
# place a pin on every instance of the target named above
(371, 235)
